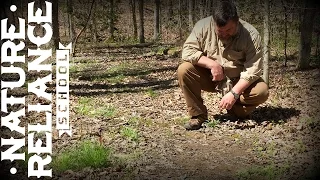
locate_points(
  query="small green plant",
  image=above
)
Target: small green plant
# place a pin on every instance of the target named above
(181, 120)
(309, 121)
(84, 106)
(130, 133)
(75, 68)
(147, 122)
(89, 107)
(87, 154)
(161, 50)
(213, 123)
(151, 93)
(122, 67)
(269, 172)
(300, 146)
(105, 111)
(134, 121)
(117, 79)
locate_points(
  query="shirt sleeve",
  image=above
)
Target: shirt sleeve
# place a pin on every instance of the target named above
(253, 64)
(192, 48)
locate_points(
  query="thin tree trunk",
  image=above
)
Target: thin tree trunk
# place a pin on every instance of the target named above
(134, 18)
(111, 15)
(212, 5)
(266, 39)
(170, 11)
(201, 8)
(285, 31)
(95, 30)
(180, 20)
(208, 9)
(84, 27)
(191, 16)
(141, 34)
(306, 34)
(317, 46)
(157, 20)
(70, 20)
(94, 23)
(55, 23)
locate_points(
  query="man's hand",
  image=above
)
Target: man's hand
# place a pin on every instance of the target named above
(215, 68)
(217, 72)
(227, 101)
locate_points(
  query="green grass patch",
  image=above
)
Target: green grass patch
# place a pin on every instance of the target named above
(117, 79)
(90, 107)
(151, 93)
(269, 172)
(213, 123)
(181, 120)
(105, 111)
(86, 70)
(121, 67)
(134, 121)
(309, 121)
(87, 154)
(130, 133)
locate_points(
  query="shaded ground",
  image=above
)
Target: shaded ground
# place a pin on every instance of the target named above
(139, 91)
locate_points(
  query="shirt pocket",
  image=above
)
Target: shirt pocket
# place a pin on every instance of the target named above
(237, 56)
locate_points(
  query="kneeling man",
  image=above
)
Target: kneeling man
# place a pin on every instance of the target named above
(222, 53)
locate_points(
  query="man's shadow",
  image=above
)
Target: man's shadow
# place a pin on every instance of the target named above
(272, 114)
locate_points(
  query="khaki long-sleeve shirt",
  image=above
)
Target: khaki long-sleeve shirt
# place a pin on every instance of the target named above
(241, 58)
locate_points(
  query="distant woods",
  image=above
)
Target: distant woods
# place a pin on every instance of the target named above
(293, 24)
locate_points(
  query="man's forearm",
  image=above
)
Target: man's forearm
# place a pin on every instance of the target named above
(241, 86)
(207, 62)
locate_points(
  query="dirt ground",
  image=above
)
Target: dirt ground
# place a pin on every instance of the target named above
(280, 141)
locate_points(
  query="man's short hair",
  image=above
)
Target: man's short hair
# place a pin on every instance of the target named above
(224, 11)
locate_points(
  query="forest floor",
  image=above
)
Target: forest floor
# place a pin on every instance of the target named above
(128, 100)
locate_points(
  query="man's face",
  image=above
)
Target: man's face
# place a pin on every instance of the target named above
(226, 32)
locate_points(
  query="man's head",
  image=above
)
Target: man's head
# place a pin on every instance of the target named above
(226, 18)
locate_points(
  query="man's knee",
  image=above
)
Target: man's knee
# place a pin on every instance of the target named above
(184, 69)
(256, 94)
(262, 92)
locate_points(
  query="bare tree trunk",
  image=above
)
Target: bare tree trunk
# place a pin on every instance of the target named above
(94, 23)
(208, 9)
(266, 39)
(180, 20)
(285, 31)
(141, 34)
(111, 20)
(70, 20)
(201, 8)
(191, 16)
(211, 7)
(134, 18)
(55, 24)
(157, 20)
(95, 30)
(306, 34)
(317, 46)
(170, 11)
(81, 31)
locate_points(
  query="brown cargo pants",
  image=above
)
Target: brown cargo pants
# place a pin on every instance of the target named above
(193, 79)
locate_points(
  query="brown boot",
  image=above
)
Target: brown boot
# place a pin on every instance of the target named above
(195, 123)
